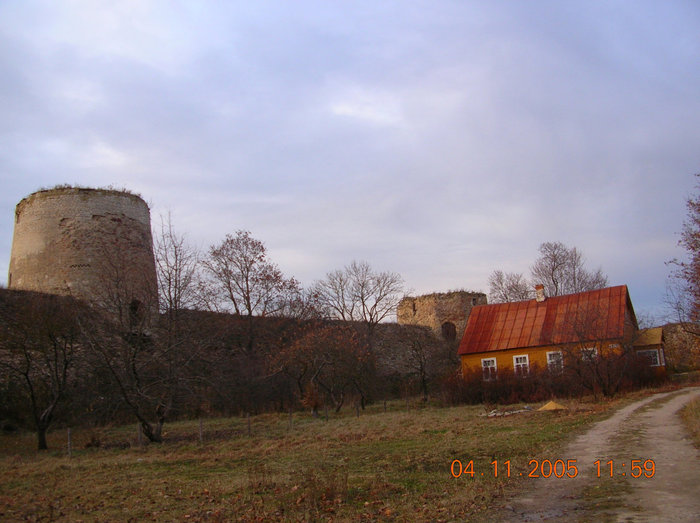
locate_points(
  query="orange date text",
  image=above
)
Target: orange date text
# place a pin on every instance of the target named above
(553, 468)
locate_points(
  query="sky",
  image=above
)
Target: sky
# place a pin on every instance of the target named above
(438, 139)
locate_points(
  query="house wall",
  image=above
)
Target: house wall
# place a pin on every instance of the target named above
(660, 369)
(536, 355)
(631, 327)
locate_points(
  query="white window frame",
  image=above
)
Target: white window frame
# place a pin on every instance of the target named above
(555, 364)
(589, 353)
(493, 374)
(650, 351)
(526, 366)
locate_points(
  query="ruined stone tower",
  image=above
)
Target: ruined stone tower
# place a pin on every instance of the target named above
(92, 244)
(445, 312)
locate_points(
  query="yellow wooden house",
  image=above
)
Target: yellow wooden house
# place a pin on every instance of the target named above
(512, 337)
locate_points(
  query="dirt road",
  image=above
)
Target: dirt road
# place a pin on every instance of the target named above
(649, 429)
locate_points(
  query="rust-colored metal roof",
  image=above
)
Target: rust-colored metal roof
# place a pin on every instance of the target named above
(586, 316)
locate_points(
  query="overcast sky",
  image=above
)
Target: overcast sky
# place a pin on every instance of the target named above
(437, 139)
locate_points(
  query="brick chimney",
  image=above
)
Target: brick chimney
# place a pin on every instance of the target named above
(539, 292)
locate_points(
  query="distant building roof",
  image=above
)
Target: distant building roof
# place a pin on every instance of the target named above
(653, 336)
(591, 315)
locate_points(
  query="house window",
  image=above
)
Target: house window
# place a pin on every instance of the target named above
(652, 356)
(489, 369)
(521, 365)
(589, 353)
(555, 361)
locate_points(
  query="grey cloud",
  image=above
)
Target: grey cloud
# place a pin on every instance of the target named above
(441, 139)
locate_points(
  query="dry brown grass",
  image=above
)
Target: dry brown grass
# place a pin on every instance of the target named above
(691, 417)
(392, 466)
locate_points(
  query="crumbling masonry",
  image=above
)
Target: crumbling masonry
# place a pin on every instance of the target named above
(445, 313)
(85, 243)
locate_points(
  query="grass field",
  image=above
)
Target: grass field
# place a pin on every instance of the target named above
(691, 417)
(392, 465)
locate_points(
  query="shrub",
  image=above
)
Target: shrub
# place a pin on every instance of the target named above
(542, 384)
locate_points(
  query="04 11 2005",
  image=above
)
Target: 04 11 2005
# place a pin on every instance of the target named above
(545, 468)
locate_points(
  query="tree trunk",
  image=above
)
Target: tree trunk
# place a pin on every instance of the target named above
(339, 402)
(153, 433)
(42, 425)
(41, 438)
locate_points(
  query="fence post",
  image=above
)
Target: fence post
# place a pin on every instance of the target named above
(70, 445)
(139, 435)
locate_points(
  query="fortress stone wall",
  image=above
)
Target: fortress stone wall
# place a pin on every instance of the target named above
(92, 244)
(445, 313)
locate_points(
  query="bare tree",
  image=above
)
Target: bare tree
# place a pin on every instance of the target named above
(590, 359)
(562, 271)
(300, 304)
(415, 354)
(151, 365)
(328, 360)
(144, 364)
(507, 287)
(176, 269)
(358, 293)
(39, 348)
(246, 280)
(684, 283)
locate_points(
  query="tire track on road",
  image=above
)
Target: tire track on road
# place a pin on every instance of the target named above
(646, 429)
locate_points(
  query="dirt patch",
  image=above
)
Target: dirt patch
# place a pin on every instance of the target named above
(649, 429)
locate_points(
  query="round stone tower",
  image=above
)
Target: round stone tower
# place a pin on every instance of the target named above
(93, 244)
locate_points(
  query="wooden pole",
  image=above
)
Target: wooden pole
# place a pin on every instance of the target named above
(70, 445)
(139, 435)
